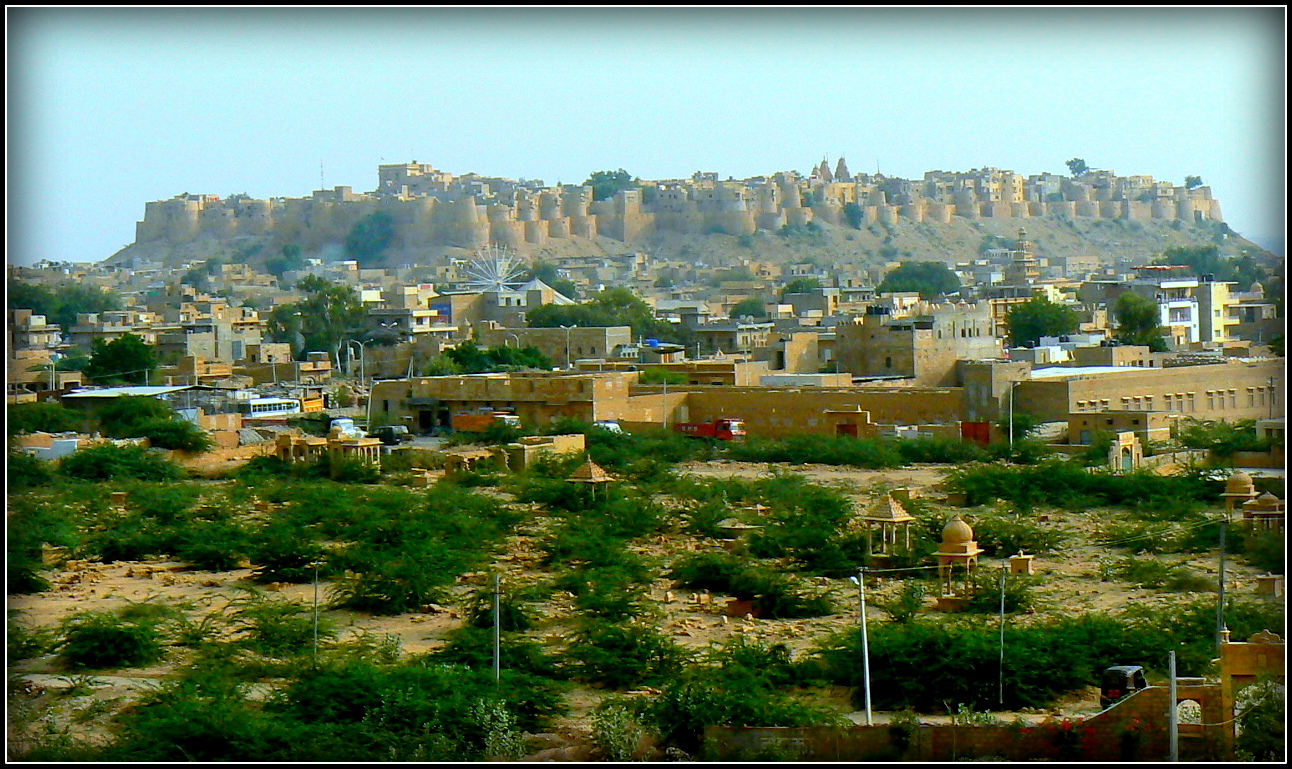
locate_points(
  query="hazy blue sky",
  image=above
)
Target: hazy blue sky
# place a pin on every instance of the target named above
(111, 108)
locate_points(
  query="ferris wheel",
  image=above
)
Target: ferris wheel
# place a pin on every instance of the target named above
(494, 268)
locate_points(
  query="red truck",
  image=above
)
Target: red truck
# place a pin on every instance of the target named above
(478, 423)
(724, 429)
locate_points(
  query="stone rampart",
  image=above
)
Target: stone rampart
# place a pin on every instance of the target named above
(471, 219)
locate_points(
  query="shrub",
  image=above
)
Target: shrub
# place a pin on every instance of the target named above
(774, 595)
(512, 613)
(908, 603)
(1266, 551)
(107, 462)
(986, 595)
(1152, 573)
(940, 450)
(23, 642)
(611, 593)
(279, 628)
(32, 524)
(213, 545)
(1222, 438)
(101, 640)
(178, 434)
(624, 655)
(473, 647)
(405, 460)
(686, 706)
(264, 466)
(501, 738)
(25, 471)
(820, 449)
(286, 551)
(616, 732)
(45, 417)
(1001, 536)
(1262, 723)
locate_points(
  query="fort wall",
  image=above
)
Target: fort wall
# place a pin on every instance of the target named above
(429, 208)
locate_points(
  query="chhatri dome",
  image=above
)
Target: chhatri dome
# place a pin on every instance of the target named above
(956, 532)
(1240, 483)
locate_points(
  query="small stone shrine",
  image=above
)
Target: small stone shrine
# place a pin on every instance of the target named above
(958, 549)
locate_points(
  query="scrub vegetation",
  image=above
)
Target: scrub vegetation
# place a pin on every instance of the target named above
(259, 676)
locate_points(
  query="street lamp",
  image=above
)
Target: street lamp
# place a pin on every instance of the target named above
(568, 363)
(860, 581)
(1012, 385)
(362, 356)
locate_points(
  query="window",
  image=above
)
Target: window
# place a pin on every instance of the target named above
(888, 362)
(1251, 396)
(1233, 399)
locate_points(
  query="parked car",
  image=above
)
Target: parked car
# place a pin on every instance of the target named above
(609, 424)
(1120, 681)
(392, 435)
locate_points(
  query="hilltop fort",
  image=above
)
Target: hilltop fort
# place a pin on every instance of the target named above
(943, 215)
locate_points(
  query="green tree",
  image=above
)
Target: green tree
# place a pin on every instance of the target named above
(800, 286)
(551, 275)
(1207, 260)
(605, 184)
(291, 259)
(853, 213)
(126, 359)
(138, 416)
(1192, 182)
(122, 417)
(661, 375)
(1138, 321)
(329, 312)
(931, 279)
(61, 303)
(1077, 166)
(470, 358)
(1027, 323)
(753, 307)
(611, 307)
(47, 417)
(370, 237)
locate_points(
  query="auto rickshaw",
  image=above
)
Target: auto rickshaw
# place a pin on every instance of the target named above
(1120, 681)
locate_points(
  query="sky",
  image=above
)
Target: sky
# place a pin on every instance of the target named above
(109, 108)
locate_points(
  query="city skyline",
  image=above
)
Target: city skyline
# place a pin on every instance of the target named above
(112, 108)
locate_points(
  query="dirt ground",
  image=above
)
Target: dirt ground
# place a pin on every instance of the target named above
(1069, 579)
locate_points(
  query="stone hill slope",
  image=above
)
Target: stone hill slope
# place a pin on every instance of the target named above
(826, 246)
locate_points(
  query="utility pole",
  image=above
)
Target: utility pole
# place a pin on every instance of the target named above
(860, 579)
(497, 631)
(1000, 697)
(316, 611)
(665, 400)
(1173, 714)
(1220, 604)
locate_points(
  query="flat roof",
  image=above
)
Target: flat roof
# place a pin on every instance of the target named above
(1055, 372)
(116, 392)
